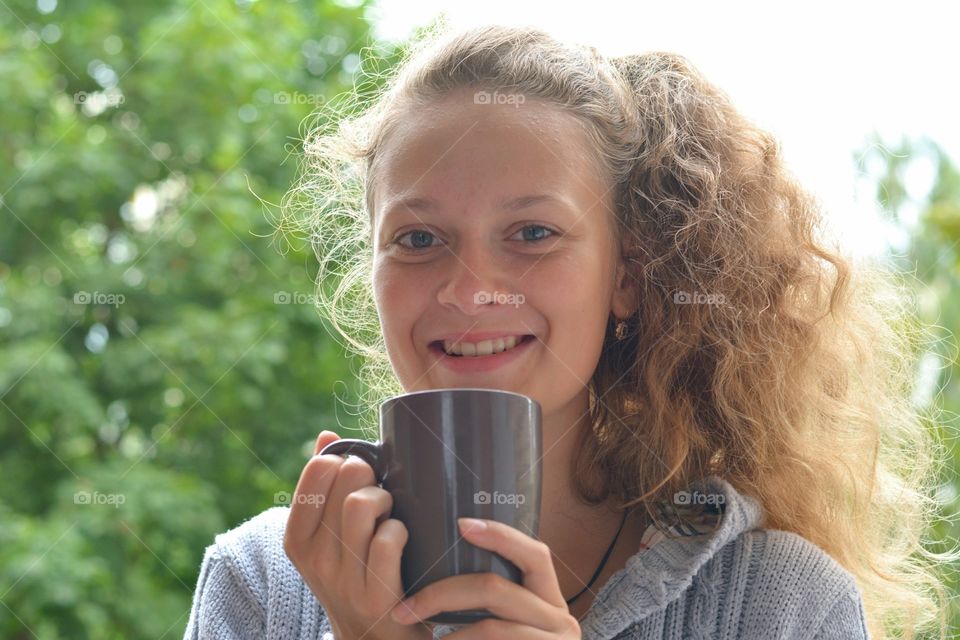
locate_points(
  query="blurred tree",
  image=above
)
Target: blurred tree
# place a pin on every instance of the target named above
(917, 187)
(162, 371)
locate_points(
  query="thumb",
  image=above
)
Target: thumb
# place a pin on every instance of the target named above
(325, 438)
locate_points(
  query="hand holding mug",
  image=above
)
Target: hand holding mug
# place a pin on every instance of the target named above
(450, 453)
(535, 610)
(369, 530)
(339, 536)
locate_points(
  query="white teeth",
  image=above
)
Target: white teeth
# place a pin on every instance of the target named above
(484, 348)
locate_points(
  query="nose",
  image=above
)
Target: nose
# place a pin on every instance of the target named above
(473, 279)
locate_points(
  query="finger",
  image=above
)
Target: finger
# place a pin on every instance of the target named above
(531, 556)
(384, 583)
(503, 598)
(495, 628)
(315, 482)
(353, 474)
(325, 438)
(306, 514)
(361, 511)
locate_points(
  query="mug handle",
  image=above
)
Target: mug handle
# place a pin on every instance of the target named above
(369, 452)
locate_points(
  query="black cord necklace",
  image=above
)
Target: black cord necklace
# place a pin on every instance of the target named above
(605, 557)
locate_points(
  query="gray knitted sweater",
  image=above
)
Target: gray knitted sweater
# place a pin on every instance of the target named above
(737, 581)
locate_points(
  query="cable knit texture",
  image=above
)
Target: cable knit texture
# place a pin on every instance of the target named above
(736, 582)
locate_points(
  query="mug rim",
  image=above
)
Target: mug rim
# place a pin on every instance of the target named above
(445, 389)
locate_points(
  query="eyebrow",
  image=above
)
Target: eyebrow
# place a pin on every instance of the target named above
(509, 204)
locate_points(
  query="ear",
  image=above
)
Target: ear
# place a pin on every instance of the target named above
(624, 300)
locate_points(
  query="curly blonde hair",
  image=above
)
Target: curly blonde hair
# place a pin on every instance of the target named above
(795, 388)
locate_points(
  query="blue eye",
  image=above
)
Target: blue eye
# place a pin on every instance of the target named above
(416, 233)
(536, 226)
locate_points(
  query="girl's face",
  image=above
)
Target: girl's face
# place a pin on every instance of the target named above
(490, 219)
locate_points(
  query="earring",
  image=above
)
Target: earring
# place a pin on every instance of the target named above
(621, 330)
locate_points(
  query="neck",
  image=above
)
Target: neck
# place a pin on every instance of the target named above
(578, 534)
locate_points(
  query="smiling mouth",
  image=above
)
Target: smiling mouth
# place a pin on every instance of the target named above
(437, 346)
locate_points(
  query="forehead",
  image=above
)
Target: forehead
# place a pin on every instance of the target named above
(455, 147)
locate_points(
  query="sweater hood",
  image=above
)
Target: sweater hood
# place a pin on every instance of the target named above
(652, 578)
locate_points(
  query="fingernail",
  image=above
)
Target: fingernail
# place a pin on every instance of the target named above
(402, 612)
(471, 525)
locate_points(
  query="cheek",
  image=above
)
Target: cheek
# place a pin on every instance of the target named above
(396, 302)
(574, 286)
(573, 296)
(397, 314)
(391, 284)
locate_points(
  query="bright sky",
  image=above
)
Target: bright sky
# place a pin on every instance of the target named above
(821, 76)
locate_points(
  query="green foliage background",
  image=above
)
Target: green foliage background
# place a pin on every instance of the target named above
(195, 394)
(155, 347)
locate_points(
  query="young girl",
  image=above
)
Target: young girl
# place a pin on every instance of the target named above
(720, 390)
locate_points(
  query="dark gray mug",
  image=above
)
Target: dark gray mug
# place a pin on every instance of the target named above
(451, 453)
